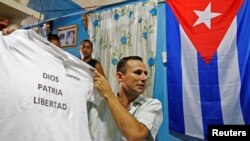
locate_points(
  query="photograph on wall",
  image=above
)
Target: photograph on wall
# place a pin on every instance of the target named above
(67, 35)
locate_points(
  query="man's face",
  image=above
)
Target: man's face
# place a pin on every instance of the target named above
(86, 49)
(56, 42)
(134, 80)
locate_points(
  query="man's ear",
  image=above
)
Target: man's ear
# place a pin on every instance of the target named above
(119, 76)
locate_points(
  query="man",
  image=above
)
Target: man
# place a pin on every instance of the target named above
(127, 115)
(54, 39)
(87, 49)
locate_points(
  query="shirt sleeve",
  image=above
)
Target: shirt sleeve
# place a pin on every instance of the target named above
(93, 96)
(150, 114)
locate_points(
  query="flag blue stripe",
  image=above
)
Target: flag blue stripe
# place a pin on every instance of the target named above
(209, 93)
(243, 44)
(243, 35)
(174, 74)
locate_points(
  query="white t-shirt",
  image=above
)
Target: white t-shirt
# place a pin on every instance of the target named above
(43, 91)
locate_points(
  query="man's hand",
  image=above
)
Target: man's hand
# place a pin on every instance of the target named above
(7, 31)
(102, 84)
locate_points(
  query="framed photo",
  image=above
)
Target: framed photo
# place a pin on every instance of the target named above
(67, 35)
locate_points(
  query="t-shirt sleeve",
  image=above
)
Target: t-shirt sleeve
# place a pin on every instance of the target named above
(151, 116)
(93, 96)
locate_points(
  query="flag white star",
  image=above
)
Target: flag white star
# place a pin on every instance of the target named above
(205, 16)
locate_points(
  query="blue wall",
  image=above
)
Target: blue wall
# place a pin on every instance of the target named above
(160, 87)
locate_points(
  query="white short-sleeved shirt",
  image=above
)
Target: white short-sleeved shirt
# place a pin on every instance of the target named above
(102, 125)
(43, 91)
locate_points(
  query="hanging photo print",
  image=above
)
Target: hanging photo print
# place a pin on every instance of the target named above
(67, 35)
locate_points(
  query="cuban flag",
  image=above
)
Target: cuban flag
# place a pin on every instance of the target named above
(208, 70)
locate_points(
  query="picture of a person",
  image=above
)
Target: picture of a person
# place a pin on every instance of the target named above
(70, 39)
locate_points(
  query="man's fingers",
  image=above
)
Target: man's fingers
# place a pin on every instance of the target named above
(95, 71)
(4, 31)
(7, 31)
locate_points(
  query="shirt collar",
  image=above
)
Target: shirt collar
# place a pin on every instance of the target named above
(138, 101)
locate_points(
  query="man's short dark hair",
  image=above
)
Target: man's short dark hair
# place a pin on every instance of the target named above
(87, 40)
(53, 37)
(121, 66)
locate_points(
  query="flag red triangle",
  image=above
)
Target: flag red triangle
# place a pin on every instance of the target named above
(205, 27)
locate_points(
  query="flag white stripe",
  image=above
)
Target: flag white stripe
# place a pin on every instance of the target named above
(229, 77)
(190, 88)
